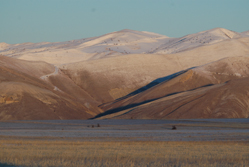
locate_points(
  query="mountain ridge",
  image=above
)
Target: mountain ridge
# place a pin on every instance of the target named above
(126, 74)
(117, 43)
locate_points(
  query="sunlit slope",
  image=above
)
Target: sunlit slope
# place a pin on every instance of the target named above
(112, 78)
(196, 40)
(69, 80)
(112, 44)
(215, 86)
(117, 43)
(26, 95)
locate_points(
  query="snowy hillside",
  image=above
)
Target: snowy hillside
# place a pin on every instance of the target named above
(114, 44)
(195, 40)
(246, 33)
(130, 72)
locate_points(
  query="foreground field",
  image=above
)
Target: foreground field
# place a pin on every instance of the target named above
(114, 143)
(46, 152)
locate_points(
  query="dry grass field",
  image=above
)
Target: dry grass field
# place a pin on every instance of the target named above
(50, 152)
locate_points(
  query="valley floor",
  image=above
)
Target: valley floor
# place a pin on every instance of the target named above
(202, 142)
(130, 130)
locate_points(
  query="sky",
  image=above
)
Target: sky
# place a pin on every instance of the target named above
(62, 20)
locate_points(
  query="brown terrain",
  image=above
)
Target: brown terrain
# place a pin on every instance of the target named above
(112, 78)
(200, 80)
(25, 95)
(215, 90)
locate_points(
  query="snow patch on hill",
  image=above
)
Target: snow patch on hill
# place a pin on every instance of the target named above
(195, 40)
(246, 33)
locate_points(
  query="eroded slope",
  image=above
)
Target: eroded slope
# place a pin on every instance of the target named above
(203, 92)
(26, 95)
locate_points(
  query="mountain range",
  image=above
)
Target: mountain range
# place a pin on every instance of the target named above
(127, 74)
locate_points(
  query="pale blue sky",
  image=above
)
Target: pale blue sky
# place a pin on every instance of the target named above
(62, 20)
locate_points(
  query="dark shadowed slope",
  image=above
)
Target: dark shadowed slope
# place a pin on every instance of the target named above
(194, 85)
(228, 100)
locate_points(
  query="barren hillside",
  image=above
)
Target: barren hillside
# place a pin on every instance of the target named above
(227, 100)
(28, 92)
(112, 78)
(213, 86)
(128, 74)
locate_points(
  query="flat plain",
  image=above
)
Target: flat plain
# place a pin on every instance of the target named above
(195, 142)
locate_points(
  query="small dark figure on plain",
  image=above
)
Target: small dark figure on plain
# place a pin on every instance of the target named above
(92, 126)
(98, 125)
(173, 127)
